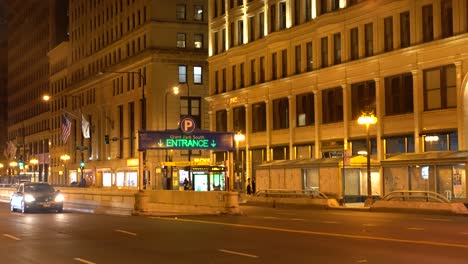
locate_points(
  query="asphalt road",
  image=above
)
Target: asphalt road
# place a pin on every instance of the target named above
(261, 235)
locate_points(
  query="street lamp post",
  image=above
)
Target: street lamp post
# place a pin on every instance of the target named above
(34, 162)
(65, 158)
(368, 119)
(238, 137)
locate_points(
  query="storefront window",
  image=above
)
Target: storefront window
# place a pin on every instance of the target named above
(120, 179)
(441, 141)
(311, 179)
(107, 179)
(397, 145)
(132, 179)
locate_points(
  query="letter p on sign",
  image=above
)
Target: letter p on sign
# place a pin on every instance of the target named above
(187, 125)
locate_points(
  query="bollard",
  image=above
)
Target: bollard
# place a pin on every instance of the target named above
(141, 203)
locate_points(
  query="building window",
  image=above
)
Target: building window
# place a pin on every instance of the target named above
(252, 72)
(337, 48)
(404, 29)
(238, 119)
(324, 51)
(354, 44)
(427, 23)
(180, 12)
(262, 69)
(182, 73)
(258, 117)
(121, 130)
(280, 113)
(198, 13)
(440, 88)
(447, 18)
(261, 25)
(197, 75)
(362, 98)
(224, 80)
(310, 59)
(221, 121)
(297, 12)
(215, 8)
(233, 74)
(305, 109)
(274, 64)
(272, 18)
(240, 32)
(441, 141)
(242, 75)
(191, 106)
(198, 41)
(223, 40)
(131, 128)
(388, 32)
(398, 145)
(223, 7)
(284, 63)
(399, 94)
(369, 39)
(215, 43)
(231, 35)
(332, 105)
(282, 15)
(181, 40)
(298, 59)
(252, 29)
(280, 153)
(216, 82)
(308, 10)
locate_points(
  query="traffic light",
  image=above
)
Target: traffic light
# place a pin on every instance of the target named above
(106, 139)
(82, 164)
(21, 164)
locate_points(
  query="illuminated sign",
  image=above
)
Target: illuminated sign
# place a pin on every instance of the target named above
(175, 139)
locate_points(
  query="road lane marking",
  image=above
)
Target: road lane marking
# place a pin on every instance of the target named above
(125, 232)
(376, 238)
(238, 253)
(465, 233)
(285, 213)
(271, 217)
(438, 219)
(12, 237)
(329, 222)
(369, 224)
(297, 219)
(362, 261)
(84, 261)
(378, 220)
(415, 228)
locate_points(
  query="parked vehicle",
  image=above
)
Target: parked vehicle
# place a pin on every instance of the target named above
(41, 196)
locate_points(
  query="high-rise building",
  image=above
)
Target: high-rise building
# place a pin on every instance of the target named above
(116, 74)
(295, 75)
(3, 87)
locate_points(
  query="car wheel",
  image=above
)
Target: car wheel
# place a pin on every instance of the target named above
(23, 207)
(12, 208)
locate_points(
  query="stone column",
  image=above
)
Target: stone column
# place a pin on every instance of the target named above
(292, 124)
(418, 107)
(379, 97)
(460, 106)
(269, 123)
(346, 114)
(317, 111)
(248, 169)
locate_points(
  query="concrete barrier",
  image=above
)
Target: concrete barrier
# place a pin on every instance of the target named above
(419, 207)
(301, 202)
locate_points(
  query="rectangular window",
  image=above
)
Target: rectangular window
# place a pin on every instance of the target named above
(272, 18)
(121, 130)
(223, 40)
(242, 75)
(216, 77)
(427, 23)
(323, 6)
(308, 10)
(284, 63)
(399, 94)
(369, 39)
(252, 72)
(332, 105)
(262, 69)
(310, 59)
(444, 141)
(233, 74)
(221, 121)
(397, 145)
(282, 15)
(198, 41)
(335, 5)
(324, 51)
(298, 59)
(305, 113)
(280, 113)
(337, 48)
(182, 73)
(238, 119)
(198, 13)
(191, 106)
(274, 64)
(405, 29)
(261, 25)
(297, 12)
(362, 98)
(223, 7)
(181, 40)
(446, 18)
(388, 33)
(252, 29)
(258, 117)
(231, 35)
(131, 128)
(440, 88)
(197, 74)
(354, 44)
(180, 12)
(224, 80)
(240, 32)
(215, 43)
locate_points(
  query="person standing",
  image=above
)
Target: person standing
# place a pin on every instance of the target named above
(249, 188)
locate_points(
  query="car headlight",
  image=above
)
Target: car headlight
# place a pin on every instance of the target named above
(59, 198)
(29, 198)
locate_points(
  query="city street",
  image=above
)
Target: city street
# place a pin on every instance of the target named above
(260, 235)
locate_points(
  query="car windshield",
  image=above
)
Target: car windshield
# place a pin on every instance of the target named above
(38, 188)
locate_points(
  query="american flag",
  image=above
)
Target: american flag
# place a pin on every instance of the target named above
(66, 129)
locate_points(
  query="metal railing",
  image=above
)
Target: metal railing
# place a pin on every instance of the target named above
(418, 196)
(285, 193)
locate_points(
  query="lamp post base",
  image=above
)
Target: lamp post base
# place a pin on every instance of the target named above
(369, 201)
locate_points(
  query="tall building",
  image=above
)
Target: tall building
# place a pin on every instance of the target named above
(116, 74)
(295, 75)
(3, 87)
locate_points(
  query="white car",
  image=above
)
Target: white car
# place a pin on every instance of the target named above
(30, 196)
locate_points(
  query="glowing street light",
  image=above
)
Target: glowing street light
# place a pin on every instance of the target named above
(368, 119)
(65, 158)
(238, 137)
(34, 162)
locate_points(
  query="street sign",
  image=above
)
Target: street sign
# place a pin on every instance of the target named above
(175, 139)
